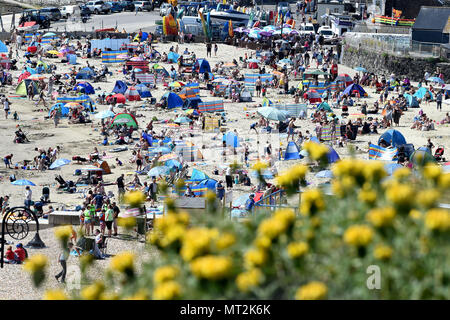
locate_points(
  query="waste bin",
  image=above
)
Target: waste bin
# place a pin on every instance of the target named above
(140, 221)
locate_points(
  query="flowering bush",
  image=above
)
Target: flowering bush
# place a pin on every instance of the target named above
(321, 252)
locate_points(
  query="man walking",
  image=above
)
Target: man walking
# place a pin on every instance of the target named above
(121, 185)
(28, 194)
(63, 261)
(439, 100)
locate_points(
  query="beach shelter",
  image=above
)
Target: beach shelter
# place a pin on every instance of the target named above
(120, 87)
(246, 96)
(411, 100)
(132, 94)
(191, 103)
(143, 91)
(64, 110)
(172, 57)
(173, 100)
(313, 96)
(85, 87)
(344, 78)
(3, 47)
(85, 73)
(203, 66)
(253, 65)
(272, 113)
(292, 151)
(22, 88)
(332, 155)
(72, 58)
(393, 138)
(160, 69)
(422, 92)
(125, 119)
(187, 92)
(24, 75)
(205, 185)
(422, 157)
(119, 97)
(103, 165)
(231, 139)
(198, 175)
(266, 102)
(324, 106)
(355, 89)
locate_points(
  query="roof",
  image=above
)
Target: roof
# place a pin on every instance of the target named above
(432, 18)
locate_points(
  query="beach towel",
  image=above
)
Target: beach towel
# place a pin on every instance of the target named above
(211, 106)
(380, 153)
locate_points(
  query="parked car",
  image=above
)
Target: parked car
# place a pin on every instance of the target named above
(67, 11)
(307, 28)
(326, 32)
(165, 9)
(127, 5)
(143, 5)
(52, 13)
(30, 15)
(115, 6)
(98, 7)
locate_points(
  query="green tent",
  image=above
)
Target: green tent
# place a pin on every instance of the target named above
(324, 106)
(421, 157)
(22, 87)
(125, 119)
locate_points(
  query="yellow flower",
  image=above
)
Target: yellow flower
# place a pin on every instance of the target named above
(312, 202)
(428, 198)
(175, 233)
(127, 223)
(210, 196)
(249, 279)
(255, 258)
(287, 216)
(165, 273)
(358, 235)
(367, 196)
(316, 151)
(63, 233)
(36, 263)
(297, 249)
(383, 252)
(141, 294)
(134, 198)
(353, 168)
(197, 241)
(381, 217)
(292, 177)
(438, 220)
(123, 261)
(415, 214)
(272, 228)
(374, 171)
(226, 240)
(211, 267)
(167, 291)
(401, 173)
(93, 291)
(260, 166)
(432, 172)
(262, 242)
(402, 195)
(314, 290)
(56, 294)
(444, 181)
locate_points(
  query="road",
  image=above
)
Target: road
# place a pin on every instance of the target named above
(124, 20)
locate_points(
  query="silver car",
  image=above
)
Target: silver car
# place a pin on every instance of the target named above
(143, 5)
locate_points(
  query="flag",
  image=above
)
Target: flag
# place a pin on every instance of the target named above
(202, 18)
(397, 13)
(224, 2)
(380, 153)
(208, 25)
(230, 29)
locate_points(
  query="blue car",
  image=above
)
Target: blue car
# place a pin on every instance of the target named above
(115, 7)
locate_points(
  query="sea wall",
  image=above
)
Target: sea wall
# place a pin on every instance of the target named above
(385, 63)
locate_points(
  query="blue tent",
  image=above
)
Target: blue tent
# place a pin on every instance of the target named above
(143, 91)
(172, 56)
(393, 138)
(332, 155)
(411, 100)
(191, 103)
(64, 110)
(231, 139)
(147, 137)
(120, 87)
(198, 175)
(292, 151)
(204, 66)
(3, 47)
(349, 90)
(85, 73)
(173, 100)
(422, 92)
(86, 87)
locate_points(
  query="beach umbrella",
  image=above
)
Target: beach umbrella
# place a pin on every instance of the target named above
(286, 60)
(105, 114)
(37, 77)
(182, 120)
(59, 163)
(344, 77)
(360, 69)
(192, 111)
(253, 60)
(73, 105)
(436, 79)
(266, 174)
(176, 84)
(266, 34)
(272, 113)
(169, 156)
(158, 171)
(324, 174)
(173, 125)
(23, 182)
(163, 150)
(173, 164)
(49, 34)
(132, 94)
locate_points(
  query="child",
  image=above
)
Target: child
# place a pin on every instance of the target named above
(118, 162)
(10, 257)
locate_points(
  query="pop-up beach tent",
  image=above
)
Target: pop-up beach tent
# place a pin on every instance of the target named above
(143, 91)
(231, 139)
(173, 100)
(85, 87)
(393, 138)
(120, 87)
(172, 57)
(353, 88)
(22, 88)
(198, 175)
(132, 94)
(292, 151)
(203, 66)
(85, 73)
(125, 119)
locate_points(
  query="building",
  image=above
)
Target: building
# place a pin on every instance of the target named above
(410, 8)
(328, 8)
(432, 25)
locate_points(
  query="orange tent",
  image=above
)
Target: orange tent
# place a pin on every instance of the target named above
(104, 165)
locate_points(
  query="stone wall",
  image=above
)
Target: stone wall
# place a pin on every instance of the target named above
(383, 63)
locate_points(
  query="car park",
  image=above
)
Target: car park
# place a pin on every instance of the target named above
(67, 11)
(143, 5)
(98, 7)
(52, 13)
(115, 6)
(127, 5)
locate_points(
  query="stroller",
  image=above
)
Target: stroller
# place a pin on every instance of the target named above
(45, 195)
(438, 154)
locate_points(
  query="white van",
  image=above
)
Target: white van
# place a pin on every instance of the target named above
(326, 32)
(307, 28)
(67, 11)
